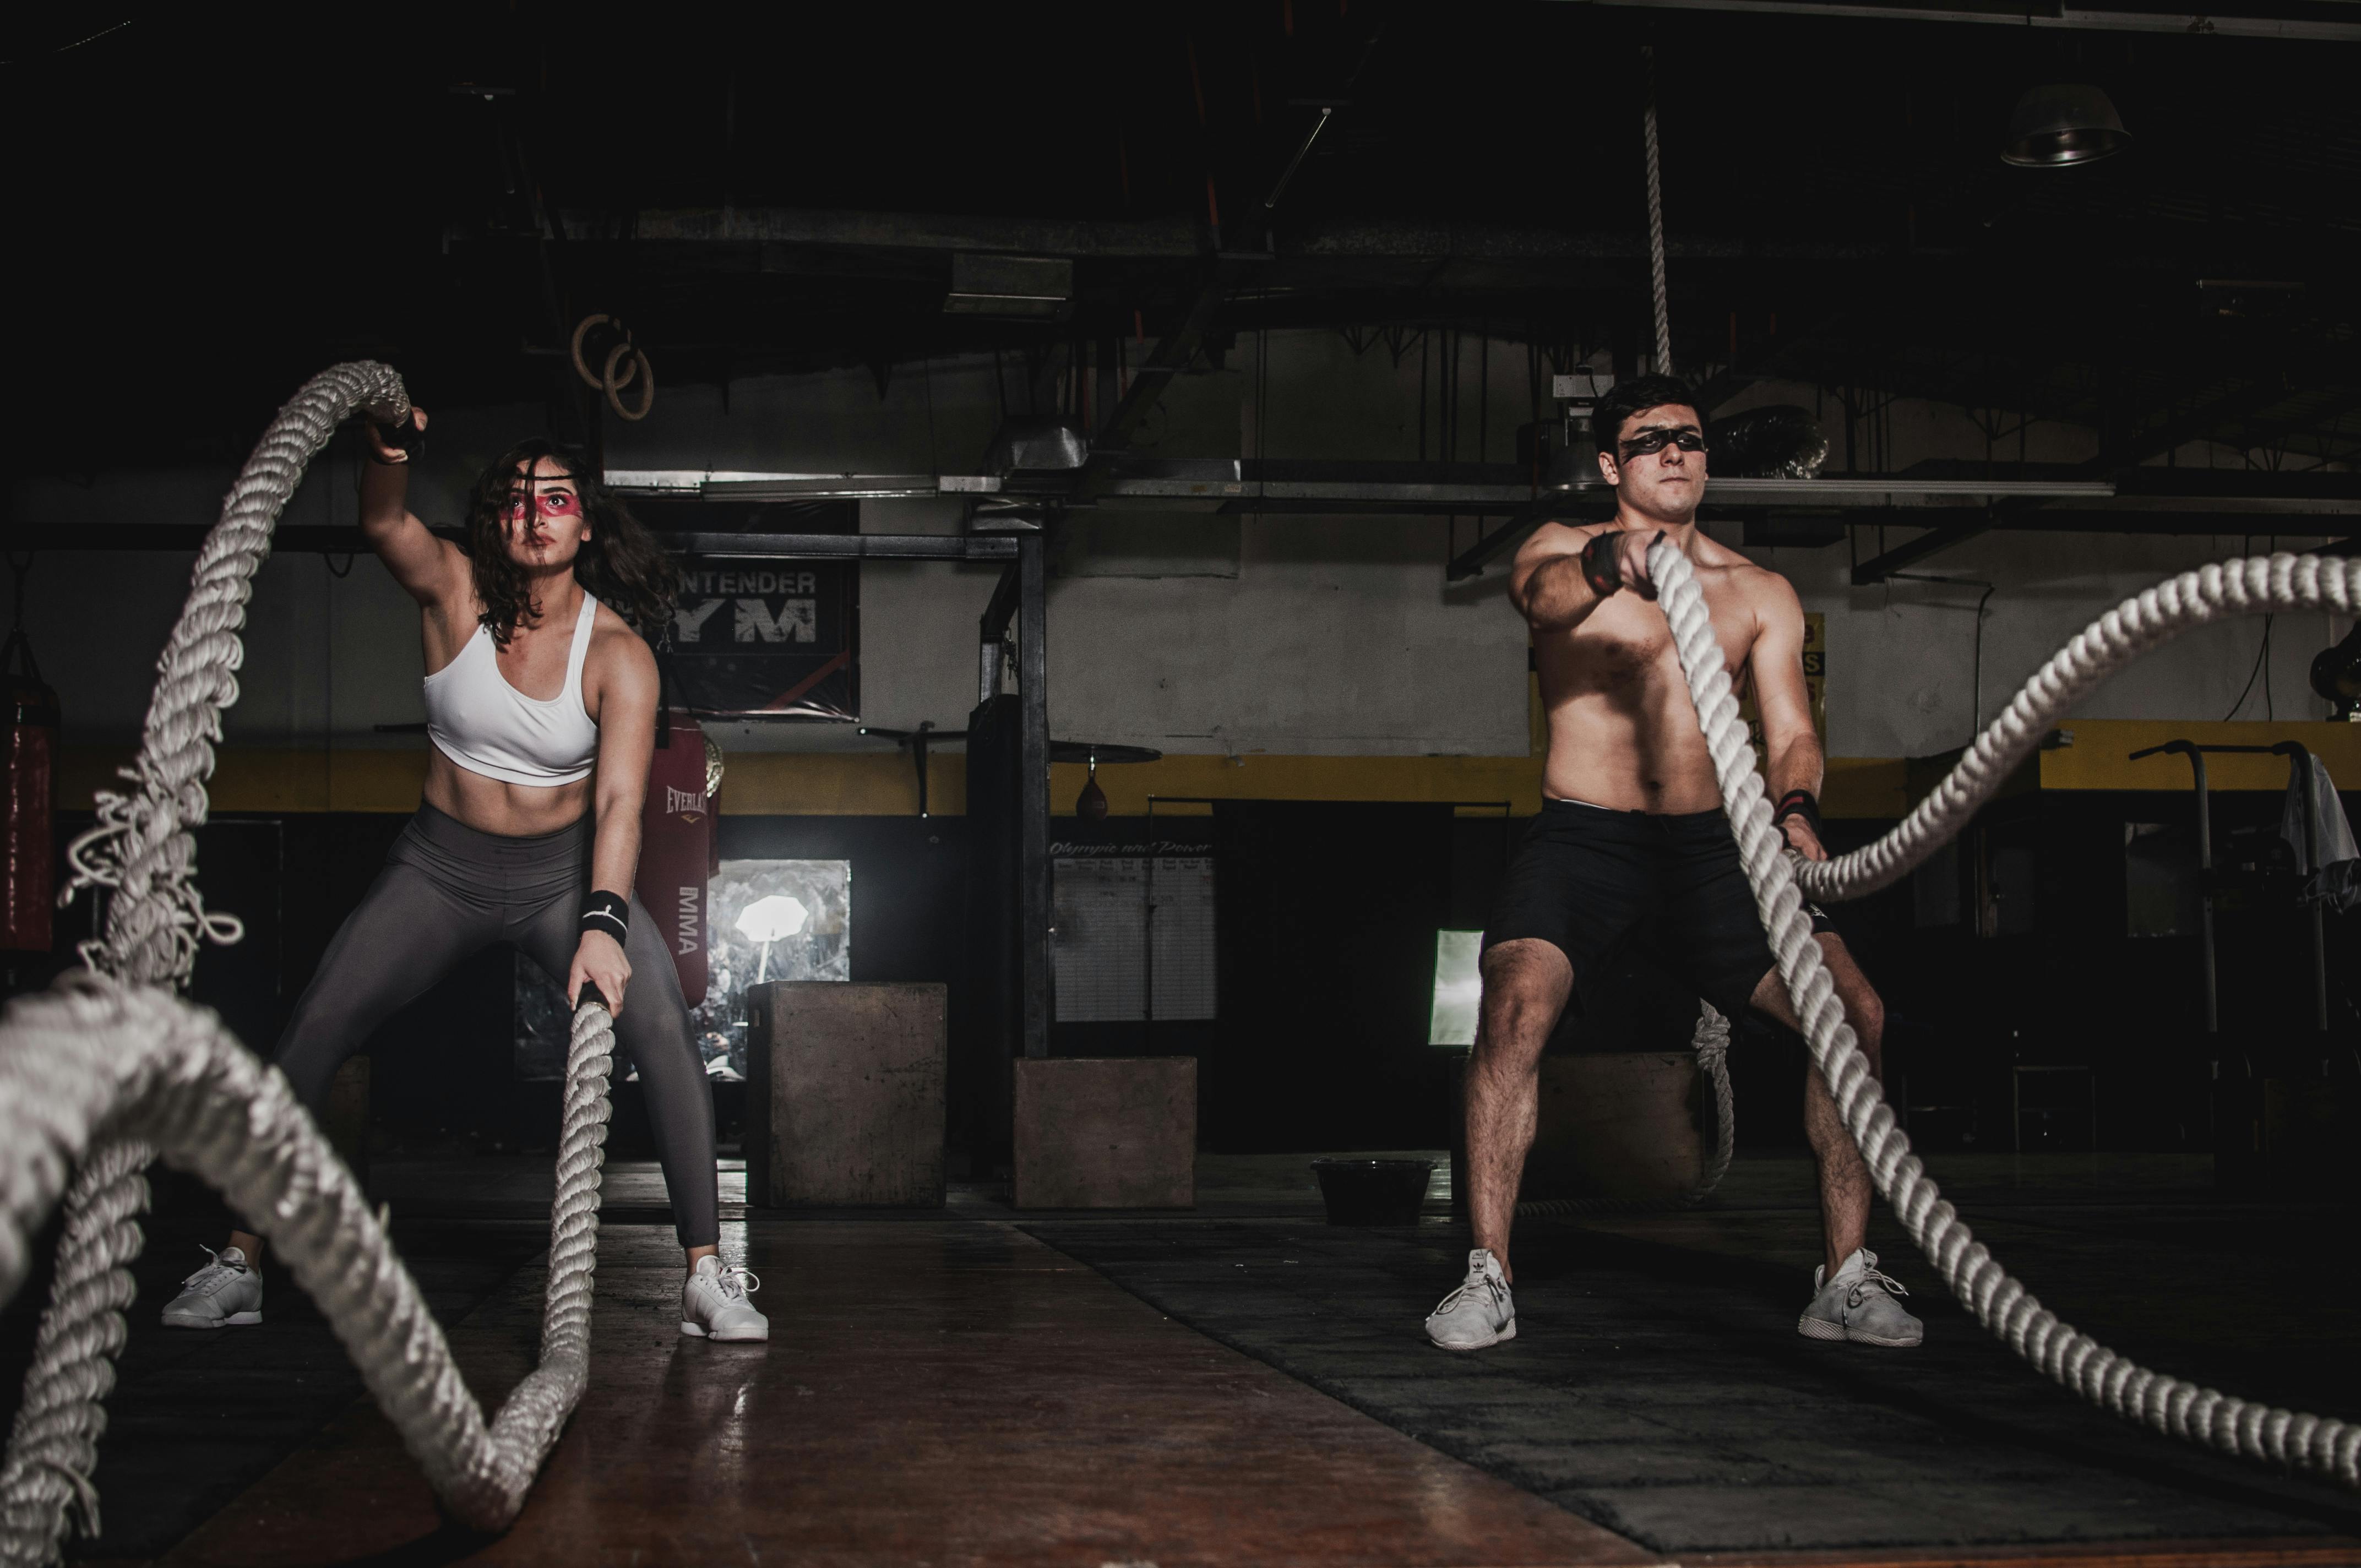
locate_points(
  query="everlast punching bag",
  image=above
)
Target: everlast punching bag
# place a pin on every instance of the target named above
(677, 846)
(27, 848)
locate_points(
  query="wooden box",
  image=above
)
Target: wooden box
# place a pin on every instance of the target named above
(844, 1095)
(1106, 1133)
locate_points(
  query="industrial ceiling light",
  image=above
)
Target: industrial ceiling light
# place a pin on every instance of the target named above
(2062, 124)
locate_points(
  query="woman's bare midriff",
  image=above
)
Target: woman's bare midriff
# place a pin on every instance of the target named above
(512, 811)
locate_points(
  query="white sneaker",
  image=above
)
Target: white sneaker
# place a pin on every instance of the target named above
(1478, 1313)
(224, 1293)
(713, 1304)
(1858, 1305)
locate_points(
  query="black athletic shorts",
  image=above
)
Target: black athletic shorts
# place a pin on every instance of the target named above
(1585, 878)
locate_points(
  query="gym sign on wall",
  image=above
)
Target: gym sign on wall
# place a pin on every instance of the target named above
(766, 638)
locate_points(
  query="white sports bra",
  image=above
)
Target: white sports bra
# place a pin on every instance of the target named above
(487, 726)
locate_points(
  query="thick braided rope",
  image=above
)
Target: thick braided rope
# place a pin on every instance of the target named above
(1711, 1044)
(2316, 1443)
(93, 1060)
(142, 848)
(2195, 598)
(1659, 292)
(142, 845)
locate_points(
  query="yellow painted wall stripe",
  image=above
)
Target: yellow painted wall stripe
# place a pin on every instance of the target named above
(881, 784)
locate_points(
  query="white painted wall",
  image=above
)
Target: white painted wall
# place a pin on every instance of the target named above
(1335, 636)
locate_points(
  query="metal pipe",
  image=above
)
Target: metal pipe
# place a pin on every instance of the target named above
(1035, 905)
(987, 684)
(2256, 27)
(1296, 162)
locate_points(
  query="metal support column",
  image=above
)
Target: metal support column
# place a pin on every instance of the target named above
(2196, 755)
(2298, 758)
(1035, 909)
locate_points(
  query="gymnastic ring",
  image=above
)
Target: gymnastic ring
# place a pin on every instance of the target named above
(580, 331)
(631, 371)
(614, 385)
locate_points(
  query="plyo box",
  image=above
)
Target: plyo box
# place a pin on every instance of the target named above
(844, 1094)
(1106, 1133)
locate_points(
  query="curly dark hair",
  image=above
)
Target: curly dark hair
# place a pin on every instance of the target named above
(620, 564)
(1628, 397)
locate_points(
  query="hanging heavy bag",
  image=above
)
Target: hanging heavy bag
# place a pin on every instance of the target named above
(27, 844)
(676, 845)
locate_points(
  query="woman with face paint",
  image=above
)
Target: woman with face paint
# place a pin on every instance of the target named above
(540, 705)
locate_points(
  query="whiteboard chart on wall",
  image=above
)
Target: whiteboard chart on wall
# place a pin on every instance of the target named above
(1135, 939)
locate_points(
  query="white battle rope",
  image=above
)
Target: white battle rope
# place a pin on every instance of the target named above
(1711, 1043)
(108, 1070)
(2316, 1443)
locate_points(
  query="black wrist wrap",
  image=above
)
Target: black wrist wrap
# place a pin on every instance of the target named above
(1800, 803)
(609, 914)
(1602, 568)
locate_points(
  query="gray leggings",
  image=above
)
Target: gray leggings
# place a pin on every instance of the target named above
(447, 891)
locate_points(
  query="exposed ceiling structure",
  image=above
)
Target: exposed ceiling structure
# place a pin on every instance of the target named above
(214, 208)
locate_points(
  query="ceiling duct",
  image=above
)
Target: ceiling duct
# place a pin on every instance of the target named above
(1028, 288)
(1778, 441)
(1037, 443)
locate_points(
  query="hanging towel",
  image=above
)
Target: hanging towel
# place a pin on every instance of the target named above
(2333, 871)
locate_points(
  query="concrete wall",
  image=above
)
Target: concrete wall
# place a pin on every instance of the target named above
(1281, 635)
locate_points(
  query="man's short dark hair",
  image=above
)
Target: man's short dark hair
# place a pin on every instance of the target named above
(1627, 398)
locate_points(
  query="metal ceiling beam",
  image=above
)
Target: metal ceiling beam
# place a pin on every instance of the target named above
(1178, 240)
(1170, 357)
(2229, 418)
(1153, 239)
(1471, 561)
(1492, 488)
(1877, 568)
(187, 537)
(2322, 21)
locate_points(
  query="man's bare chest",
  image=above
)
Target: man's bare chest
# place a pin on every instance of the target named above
(1627, 644)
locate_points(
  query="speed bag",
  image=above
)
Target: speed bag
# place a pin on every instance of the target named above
(27, 844)
(677, 847)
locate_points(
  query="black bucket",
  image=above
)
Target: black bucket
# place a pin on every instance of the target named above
(1373, 1191)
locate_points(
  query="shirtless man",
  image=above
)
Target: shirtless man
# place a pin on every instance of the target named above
(1631, 829)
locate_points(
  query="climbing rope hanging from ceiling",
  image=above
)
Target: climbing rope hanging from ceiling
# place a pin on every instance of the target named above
(1659, 298)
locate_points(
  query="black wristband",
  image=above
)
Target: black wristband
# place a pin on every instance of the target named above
(609, 914)
(405, 438)
(1800, 803)
(1602, 567)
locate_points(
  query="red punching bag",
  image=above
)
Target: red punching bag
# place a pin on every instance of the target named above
(27, 847)
(677, 844)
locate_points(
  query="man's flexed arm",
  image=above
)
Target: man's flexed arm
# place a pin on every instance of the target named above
(1791, 746)
(1550, 582)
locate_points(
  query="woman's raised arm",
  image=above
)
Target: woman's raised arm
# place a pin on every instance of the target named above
(428, 568)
